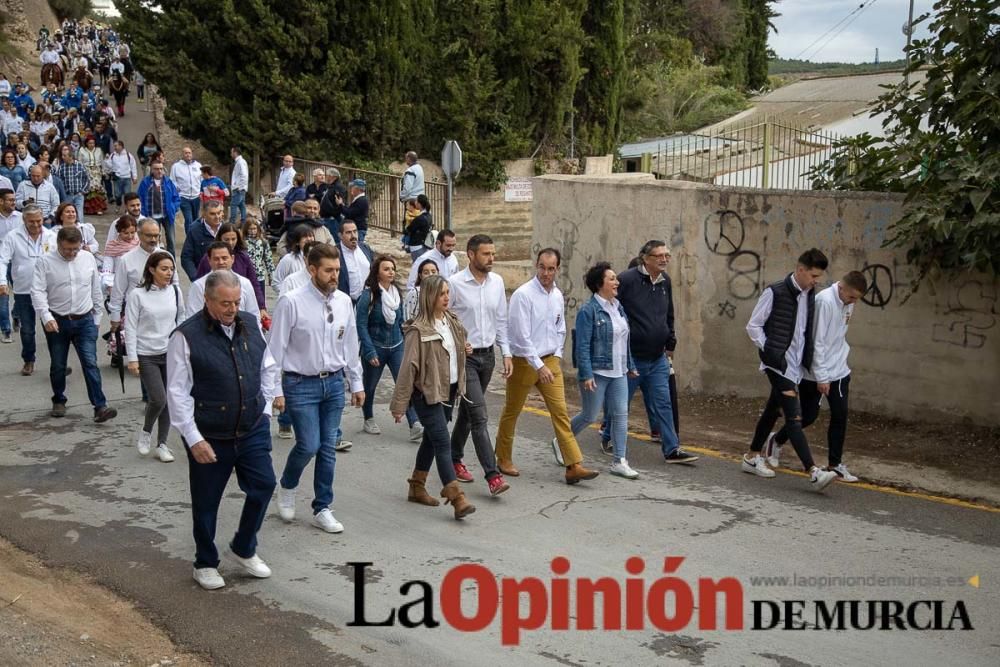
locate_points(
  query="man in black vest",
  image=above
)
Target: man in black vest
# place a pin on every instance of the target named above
(221, 384)
(781, 326)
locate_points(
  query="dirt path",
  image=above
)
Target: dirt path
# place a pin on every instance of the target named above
(55, 617)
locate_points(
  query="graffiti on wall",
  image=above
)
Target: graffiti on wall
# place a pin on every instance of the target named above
(970, 312)
(725, 233)
(880, 285)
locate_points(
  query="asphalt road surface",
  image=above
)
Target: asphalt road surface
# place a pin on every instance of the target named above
(79, 495)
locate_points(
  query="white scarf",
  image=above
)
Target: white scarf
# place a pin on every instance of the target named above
(390, 303)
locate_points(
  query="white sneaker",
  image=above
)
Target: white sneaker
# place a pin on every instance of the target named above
(557, 453)
(325, 520)
(286, 503)
(820, 479)
(622, 469)
(164, 454)
(208, 578)
(416, 432)
(371, 426)
(757, 466)
(254, 566)
(285, 432)
(143, 442)
(772, 451)
(843, 473)
(343, 446)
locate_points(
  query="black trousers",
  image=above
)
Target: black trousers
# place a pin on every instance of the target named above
(779, 403)
(837, 400)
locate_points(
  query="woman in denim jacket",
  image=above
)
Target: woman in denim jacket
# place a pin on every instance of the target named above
(380, 318)
(601, 350)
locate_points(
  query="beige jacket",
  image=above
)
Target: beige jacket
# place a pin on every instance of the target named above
(425, 364)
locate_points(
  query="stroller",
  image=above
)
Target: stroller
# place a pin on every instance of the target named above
(272, 212)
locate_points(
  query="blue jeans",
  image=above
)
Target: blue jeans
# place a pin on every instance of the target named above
(315, 405)
(362, 233)
(5, 313)
(250, 456)
(25, 313)
(654, 380)
(435, 447)
(82, 335)
(393, 357)
(612, 394)
(168, 234)
(123, 185)
(190, 208)
(238, 202)
(77, 201)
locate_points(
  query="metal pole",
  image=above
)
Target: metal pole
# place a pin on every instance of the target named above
(766, 166)
(448, 220)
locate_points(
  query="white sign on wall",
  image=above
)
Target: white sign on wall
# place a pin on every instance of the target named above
(517, 190)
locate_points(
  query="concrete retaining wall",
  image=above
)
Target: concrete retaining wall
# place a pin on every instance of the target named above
(930, 355)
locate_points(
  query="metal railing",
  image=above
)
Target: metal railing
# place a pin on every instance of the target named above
(382, 190)
(764, 154)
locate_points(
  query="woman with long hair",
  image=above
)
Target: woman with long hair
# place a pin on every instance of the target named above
(152, 311)
(127, 239)
(91, 157)
(379, 313)
(419, 227)
(432, 378)
(293, 260)
(65, 216)
(411, 305)
(242, 264)
(9, 168)
(147, 149)
(259, 250)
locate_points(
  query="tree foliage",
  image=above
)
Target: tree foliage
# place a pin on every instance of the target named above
(942, 142)
(71, 9)
(363, 81)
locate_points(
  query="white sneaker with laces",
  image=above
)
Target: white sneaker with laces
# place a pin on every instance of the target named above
(372, 427)
(756, 466)
(325, 520)
(772, 451)
(143, 442)
(557, 453)
(343, 446)
(208, 578)
(843, 473)
(164, 454)
(416, 432)
(286, 503)
(622, 469)
(820, 479)
(253, 566)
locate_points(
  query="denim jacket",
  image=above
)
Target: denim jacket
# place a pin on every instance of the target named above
(372, 327)
(594, 340)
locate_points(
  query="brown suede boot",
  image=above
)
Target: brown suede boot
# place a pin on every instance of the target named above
(418, 492)
(452, 493)
(576, 473)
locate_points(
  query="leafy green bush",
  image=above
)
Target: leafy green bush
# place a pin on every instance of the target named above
(71, 9)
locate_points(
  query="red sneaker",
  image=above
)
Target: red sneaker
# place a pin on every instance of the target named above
(462, 473)
(497, 485)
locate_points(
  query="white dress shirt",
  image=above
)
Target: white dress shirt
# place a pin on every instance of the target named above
(150, 316)
(830, 348)
(20, 252)
(9, 223)
(304, 340)
(537, 322)
(481, 308)
(356, 263)
(793, 355)
(66, 287)
(128, 275)
(180, 381)
(619, 341)
(448, 342)
(187, 177)
(122, 165)
(288, 264)
(45, 196)
(447, 266)
(241, 174)
(196, 296)
(89, 236)
(285, 180)
(6, 183)
(294, 281)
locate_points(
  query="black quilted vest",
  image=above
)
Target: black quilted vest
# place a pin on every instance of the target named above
(780, 325)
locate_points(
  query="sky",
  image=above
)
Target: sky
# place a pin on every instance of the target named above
(880, 25)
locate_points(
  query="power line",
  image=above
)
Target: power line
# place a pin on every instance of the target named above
(845, 26)
(855, 11)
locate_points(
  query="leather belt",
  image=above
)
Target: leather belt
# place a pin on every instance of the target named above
(69, 317)
(482, 350)
(323, 374)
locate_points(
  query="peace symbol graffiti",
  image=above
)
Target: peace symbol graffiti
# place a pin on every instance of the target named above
(879, 278)
(724, 233)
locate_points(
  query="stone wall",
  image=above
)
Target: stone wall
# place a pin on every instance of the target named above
(930, 354)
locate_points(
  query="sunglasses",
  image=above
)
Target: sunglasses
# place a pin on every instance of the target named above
(329, 313)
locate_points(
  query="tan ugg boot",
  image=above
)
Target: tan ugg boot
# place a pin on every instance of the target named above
(418, 491)
(452, 493)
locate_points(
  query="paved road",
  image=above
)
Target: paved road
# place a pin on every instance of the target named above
(79, 495)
